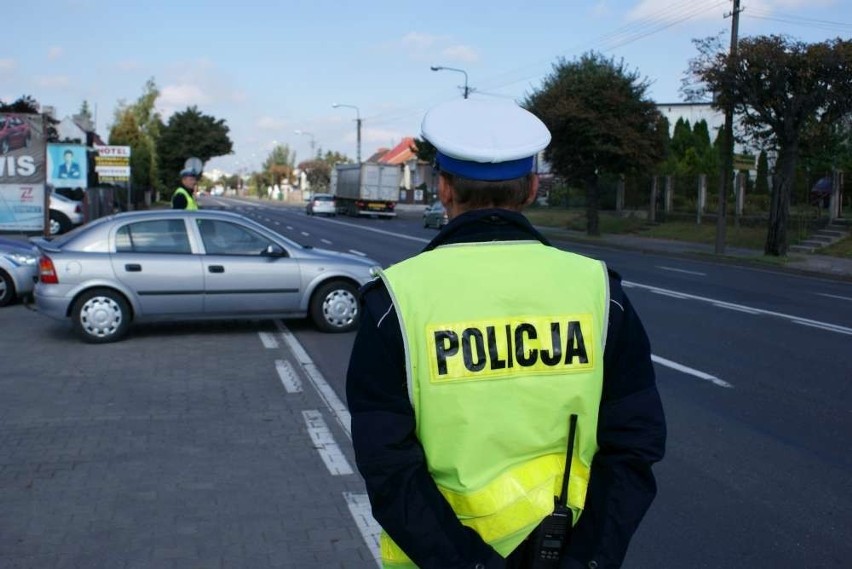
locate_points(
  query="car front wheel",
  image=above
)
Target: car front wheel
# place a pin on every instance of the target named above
(7, 288)
(101, 316)
(335, 308)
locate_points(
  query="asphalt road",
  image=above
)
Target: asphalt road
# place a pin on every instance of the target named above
(180, 447)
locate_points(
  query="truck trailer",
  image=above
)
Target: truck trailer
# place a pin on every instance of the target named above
(366, 189)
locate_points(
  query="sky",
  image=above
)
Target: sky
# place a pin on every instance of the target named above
(270, 68)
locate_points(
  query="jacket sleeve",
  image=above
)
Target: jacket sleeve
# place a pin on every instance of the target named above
(631, 438)
(179, 201)
(404, 498)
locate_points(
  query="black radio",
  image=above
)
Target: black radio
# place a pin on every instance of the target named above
(552, 534)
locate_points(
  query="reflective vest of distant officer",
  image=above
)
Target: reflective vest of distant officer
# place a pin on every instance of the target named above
(496, 363)
(183, 196)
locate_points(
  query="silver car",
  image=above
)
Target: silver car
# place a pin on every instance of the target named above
(181, 265)
(322, 204)
(18, 269)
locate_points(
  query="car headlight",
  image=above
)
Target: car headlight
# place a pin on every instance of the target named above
(22, 259)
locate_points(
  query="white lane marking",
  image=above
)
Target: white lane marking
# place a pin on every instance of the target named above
(359, 507)
(359, 253)
(824, 325)
(290, 227)
(326, 241)
(279, 223)
(821, 327)
(326, 392)
(838, 297)
(269, 341)
(381, 231)
(306, 234)
(287, 374)
(669, 293)
(688, 370)
(323, 441)
(681, 271)
(736, 308)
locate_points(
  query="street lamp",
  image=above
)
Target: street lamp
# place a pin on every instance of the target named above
(313, 142)
(358, 119)
(442, 68)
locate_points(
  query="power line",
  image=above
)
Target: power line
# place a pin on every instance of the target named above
(629, 33)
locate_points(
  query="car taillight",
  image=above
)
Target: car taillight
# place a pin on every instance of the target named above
(46, 271)
(390, 205)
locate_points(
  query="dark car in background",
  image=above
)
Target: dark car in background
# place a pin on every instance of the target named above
(435, 216)
(14, 133)
(190, 265)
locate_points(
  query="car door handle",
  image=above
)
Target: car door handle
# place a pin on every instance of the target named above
(216, 269)
(133, 268)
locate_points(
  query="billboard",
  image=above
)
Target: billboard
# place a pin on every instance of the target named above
(23, 167)
(21, 207)
(112, 164)
(67, 166)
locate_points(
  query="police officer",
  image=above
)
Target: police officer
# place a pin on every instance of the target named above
(471, 357)
(184, 196)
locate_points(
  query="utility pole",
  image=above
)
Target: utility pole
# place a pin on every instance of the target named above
(728, 147)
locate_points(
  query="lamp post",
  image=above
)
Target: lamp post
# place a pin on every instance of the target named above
(442, 68)
(313, 141)
(358, 120)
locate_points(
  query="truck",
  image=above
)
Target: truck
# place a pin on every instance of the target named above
(366, 189)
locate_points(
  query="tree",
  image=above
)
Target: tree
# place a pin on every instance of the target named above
(762, 183)
(777, 87)
(600, 120)
(138, 125)
(279, 164)
(190, 133)
(424, 150)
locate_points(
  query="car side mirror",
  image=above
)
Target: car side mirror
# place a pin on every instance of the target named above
(275, 250)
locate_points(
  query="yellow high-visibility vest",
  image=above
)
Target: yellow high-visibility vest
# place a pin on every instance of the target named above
(503, 342)
(190, 201)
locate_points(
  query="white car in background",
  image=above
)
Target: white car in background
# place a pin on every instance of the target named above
(65, 214)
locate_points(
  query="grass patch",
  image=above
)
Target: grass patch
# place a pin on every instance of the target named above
(746, 237)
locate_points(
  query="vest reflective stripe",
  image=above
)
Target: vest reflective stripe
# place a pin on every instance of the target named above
(498, 378)
(190, 201)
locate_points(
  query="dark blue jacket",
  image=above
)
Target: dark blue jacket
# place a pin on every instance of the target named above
(405, 499)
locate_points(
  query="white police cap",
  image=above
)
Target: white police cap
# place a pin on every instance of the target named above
(484, 140)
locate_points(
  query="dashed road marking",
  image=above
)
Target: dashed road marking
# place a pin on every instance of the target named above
(837, 296)
(268, 339)
(325, 391)
(356, 252)
(796, 319)
(323, 441)
(674, 270)
(359, 507)
(690, 371)
(326, 241)
(287, 374)
(306, 234)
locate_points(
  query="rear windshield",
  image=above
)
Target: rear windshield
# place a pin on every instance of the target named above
(323, 198)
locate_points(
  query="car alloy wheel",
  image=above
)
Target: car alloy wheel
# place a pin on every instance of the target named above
(334, 307)
(101, 316)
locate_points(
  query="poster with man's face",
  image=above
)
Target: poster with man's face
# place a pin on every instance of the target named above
(66, 166)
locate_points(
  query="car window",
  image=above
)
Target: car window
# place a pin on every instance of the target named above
(158, 236)
(226, 238)
(323, 198)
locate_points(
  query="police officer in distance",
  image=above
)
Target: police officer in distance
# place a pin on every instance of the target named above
(184, 196)
(472, 355)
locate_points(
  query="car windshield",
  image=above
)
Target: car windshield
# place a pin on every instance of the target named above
(323, 198)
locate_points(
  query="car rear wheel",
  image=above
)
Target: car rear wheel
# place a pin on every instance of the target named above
(335, 307)
(59, 223)
(101, 316)
(7, 289)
